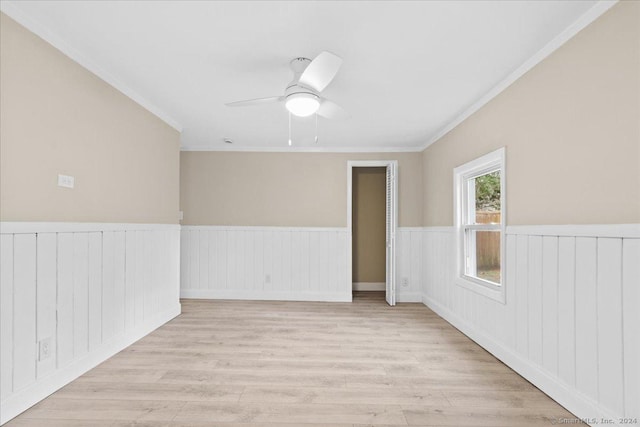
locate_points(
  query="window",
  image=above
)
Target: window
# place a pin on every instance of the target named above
(479, 218)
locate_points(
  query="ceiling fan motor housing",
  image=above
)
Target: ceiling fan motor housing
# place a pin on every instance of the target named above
(298, 65)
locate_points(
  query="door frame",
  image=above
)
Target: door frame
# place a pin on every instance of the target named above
(394, 189)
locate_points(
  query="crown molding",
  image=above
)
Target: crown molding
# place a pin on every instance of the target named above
(317, 149)
(10, 8)
(587, 18)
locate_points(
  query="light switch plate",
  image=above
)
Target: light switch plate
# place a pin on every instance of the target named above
(66, 181)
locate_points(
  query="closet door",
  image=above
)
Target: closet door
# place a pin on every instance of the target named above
(391, 211)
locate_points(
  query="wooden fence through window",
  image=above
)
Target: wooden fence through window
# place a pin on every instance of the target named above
(487, 243)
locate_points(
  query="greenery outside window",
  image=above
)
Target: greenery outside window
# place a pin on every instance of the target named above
(479, 218)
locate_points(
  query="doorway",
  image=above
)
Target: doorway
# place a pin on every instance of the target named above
(371, 223)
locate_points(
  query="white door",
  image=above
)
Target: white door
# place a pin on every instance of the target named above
(391, 235)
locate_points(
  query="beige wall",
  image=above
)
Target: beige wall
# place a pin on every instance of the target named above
(58, 118)
(571, 128)
(284, 189)
(369, 224)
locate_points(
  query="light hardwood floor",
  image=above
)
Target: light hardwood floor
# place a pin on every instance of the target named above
(249, 363)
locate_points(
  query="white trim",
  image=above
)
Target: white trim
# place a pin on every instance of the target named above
(255, 295)
(409, 297)
(486, 161)
(368, 286)
(365, 163)
(461, 174)
(587, 18)
(11, 9)
(262, 228)
(370, 163)
(29, 396)
(317, 149)
(10, 227)
(391, 220)
(476, 285)
(562, 393)
(410, 229)
(626, 231)
(439, 229)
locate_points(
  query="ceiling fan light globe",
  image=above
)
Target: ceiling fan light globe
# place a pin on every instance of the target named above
(302, 104)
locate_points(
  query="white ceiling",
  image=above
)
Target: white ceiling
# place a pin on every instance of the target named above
(409, 69)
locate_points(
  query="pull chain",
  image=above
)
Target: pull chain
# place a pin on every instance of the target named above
(316, 136)
(316, 128)
(289, 129)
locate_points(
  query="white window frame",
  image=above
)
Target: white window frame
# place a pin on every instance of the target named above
(494, 161)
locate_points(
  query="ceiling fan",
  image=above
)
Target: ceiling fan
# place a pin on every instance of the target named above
(302, 95)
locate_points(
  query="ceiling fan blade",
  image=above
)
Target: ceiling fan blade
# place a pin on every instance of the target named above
(321, 71)
(257, 101)
(331, 110)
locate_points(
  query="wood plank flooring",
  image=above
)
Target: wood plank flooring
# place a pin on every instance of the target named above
(249, 363)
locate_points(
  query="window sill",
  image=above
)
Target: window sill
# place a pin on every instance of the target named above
(495, 293)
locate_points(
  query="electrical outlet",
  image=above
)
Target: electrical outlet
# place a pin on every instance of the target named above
(405, 281)
(180, 215)
(267, 278)
(44, 349)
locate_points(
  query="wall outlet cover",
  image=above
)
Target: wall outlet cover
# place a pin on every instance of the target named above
(44, 349)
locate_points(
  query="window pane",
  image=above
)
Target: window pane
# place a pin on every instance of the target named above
(487, 198)
(482, 255)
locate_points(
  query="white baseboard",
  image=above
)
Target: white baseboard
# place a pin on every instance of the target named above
(264, 295)
(573, 400)
(369, 286)
(29, 396)
(409, 297)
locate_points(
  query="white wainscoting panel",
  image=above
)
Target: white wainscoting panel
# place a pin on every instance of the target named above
(409, 268)
(571, 323)
(265, 263)
(631, 325)
(88, 290)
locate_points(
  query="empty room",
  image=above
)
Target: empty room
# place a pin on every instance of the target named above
(319, 213)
